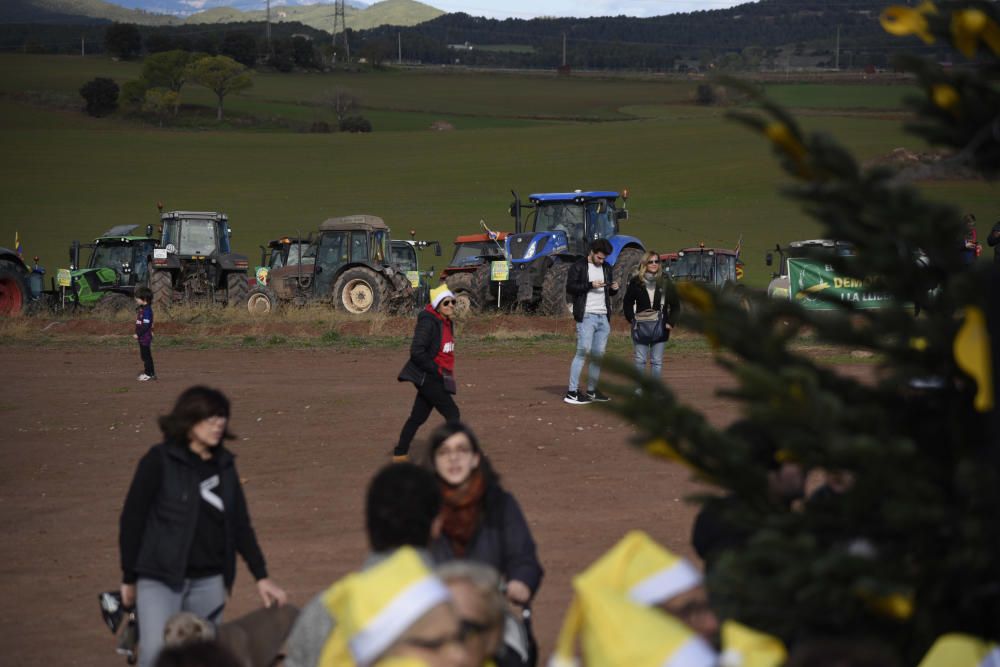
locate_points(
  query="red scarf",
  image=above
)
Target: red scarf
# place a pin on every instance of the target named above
(462, 507)
(445, 357)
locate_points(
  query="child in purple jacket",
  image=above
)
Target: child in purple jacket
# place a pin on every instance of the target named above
(144, 331)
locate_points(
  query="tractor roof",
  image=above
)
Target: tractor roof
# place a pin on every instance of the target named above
(717, 251)
(193, 215)
(122, 233)
(579, 195)
(363, 222)
(479, 238)
(286, 240)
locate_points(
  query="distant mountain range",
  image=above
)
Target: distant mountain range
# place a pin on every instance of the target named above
(180, 12)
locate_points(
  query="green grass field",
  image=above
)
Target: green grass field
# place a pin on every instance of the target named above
(693, 175)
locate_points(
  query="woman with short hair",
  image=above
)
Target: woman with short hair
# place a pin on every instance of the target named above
(185, 518)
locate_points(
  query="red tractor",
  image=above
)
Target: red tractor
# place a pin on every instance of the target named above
(468, 273)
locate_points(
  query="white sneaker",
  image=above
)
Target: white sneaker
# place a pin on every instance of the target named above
(144, 378)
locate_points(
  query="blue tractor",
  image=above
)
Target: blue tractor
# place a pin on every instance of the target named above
(558, 229)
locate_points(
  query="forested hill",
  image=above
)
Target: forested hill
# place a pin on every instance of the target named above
(767, 24)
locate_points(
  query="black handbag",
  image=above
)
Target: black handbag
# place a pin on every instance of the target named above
(650, 327)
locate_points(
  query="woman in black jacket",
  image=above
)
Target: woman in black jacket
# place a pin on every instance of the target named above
(482, 521)
(431, 368)
(651, 289)
(185, 518)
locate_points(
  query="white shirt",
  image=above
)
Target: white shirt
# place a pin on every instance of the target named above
(595, 297)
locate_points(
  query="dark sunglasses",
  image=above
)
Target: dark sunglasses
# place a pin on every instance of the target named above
(448, 302)
(653, 261)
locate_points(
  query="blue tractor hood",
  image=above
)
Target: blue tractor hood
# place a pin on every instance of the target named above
(527, 246)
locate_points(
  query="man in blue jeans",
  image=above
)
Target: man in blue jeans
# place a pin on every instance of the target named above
(590, 286)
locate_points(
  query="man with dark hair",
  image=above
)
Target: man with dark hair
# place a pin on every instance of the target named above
(590, 286)
(402, 508)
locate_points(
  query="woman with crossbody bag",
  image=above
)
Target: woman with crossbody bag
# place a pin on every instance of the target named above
(651, 307)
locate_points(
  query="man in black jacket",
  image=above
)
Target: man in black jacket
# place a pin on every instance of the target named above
(590, 286)
(994, 239)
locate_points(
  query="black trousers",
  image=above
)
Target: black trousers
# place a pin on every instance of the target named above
(431, 396)
(147, 360)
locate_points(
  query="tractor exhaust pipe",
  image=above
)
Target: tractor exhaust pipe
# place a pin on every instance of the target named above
(515, 212)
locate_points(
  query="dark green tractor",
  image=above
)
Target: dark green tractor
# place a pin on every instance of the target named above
(118, 263)
(194, 261)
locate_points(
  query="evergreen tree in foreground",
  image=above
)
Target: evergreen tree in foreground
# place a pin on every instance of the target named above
(911, 549)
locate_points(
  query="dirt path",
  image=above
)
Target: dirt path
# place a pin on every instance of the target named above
(313, 426)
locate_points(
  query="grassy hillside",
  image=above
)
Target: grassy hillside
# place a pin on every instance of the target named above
(104, 10)
(693, 175)
(320, 16)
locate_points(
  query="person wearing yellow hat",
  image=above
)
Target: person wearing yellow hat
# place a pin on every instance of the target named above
(431, 367)
(957, 650)
(650, 575)
(613, 630)
(395, 610)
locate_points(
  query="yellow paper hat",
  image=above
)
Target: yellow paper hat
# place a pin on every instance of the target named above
(373, 608)
(615, 631)
(744, 647)
(956, 650)
(439, 293)
(642, 570)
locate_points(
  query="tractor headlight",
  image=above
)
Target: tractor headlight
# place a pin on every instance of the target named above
(171, 249)
(532, 247)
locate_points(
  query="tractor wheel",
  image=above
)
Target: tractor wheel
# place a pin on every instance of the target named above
(14, 293)
(466, 298)
(621, 273)
(236, 289)
(358, 291)
(113, 303)
(481, 286)
(161, 284)
(555, 301)
(262, 301)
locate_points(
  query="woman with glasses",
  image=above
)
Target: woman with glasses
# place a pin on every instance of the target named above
(482, 522)
(650, 291)
(185, 518)
(431, 368)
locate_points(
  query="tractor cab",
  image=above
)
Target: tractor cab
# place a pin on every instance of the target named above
(404, 257)
(118, 262)
(714, 266)
(288, 259)
(195, 233)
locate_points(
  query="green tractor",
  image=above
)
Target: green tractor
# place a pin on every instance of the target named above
(194, 261)
(118, 263)
(348, 263)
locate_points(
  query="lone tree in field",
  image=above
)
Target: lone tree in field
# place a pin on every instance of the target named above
(101, 96)
(223, 76)
(905, 546)
(342, 102)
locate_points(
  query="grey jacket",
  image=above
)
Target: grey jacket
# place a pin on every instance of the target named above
(314, 625)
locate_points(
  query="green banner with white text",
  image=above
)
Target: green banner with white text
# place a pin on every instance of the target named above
(810, 278)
